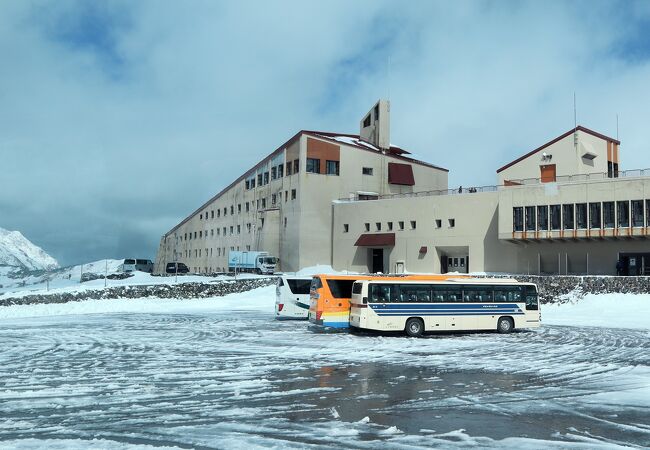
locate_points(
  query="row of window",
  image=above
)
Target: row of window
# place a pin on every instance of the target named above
(432, 293)
(581, 216)
(204, 234)
(198, 252)
(331, 167)
(276, 172)
(400, 225)
(275, 198)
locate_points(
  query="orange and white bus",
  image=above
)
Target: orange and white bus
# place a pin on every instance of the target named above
(456, 304)
(329, 295)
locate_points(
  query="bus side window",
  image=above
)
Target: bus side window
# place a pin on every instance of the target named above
(532, 302)
(375, 291)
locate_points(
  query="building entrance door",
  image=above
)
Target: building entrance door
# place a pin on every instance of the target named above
(377, 260)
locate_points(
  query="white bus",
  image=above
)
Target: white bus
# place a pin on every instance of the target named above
(292, 297)
(451, 305)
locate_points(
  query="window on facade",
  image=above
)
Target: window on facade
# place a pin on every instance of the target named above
(581, 216)
(637, 213)
(248, 184)
(195, 233)
(623, 209)
(218, 231)
(530, 218)
(452, 223)
(293, 194)
(264, 203)
(280, 170)
(257, 204)
(274, 173)
(212, 214)
(239, 207)
(567, 215)
(400, 224)
(200, 216)
(218, 213)
(274, 199)
(518, 218)
(252, 182)
(438, 223)
(313, 165)
(296, 165)
(556, 217)
(346, 227)
(289, 168)
(367, 226)
(238, 229)
(232, 230)
(212, 232)
(224, 231)
(232, 209)
(285, 222)
(366, 171)
(332, 167)
(594, 215)
(378, 226)
(413, 224)
(248, 227)
(389, 225)
(259, 179)
(542, 218)
(266, 177)
(225, 211)
(286, 196)
(248, 207)
(608, 214)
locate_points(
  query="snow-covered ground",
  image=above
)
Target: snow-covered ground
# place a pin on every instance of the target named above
(68, 280)
(222, 373)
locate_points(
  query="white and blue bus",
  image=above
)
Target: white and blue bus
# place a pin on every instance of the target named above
(460, 304)
(292, 297)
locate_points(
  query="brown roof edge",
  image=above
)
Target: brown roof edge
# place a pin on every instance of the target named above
(559, 138)
(321, 135)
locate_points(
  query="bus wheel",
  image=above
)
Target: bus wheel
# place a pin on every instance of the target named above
(505, 325)
(414, 327)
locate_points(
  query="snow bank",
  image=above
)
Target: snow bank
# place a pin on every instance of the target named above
(261, 299)
(601, 310)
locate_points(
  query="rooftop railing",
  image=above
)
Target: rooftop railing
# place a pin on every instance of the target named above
(633, 173)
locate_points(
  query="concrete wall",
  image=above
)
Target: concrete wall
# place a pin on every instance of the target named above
(567, 160)
(474, 232)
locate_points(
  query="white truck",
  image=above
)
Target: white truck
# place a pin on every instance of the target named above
(257, 262)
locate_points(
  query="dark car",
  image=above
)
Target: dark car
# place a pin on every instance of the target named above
(172, 268)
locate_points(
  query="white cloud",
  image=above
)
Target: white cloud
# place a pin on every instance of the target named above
(113, 139)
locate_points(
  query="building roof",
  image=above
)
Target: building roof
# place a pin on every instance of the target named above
(559, 138)
(351, 140)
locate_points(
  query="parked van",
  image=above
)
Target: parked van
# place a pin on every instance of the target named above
(292, 297)
(141, 265)
(176, 267)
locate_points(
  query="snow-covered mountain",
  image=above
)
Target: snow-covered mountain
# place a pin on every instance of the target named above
(18, 252)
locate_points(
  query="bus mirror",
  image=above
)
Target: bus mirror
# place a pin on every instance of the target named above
(365, 300)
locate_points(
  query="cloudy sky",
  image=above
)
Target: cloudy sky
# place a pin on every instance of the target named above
(118, 118)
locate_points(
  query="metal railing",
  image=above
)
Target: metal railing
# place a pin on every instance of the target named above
(632, 173)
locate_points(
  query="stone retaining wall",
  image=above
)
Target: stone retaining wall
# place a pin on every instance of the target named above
(181, 291)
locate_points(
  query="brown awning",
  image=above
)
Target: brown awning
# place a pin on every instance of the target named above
(376, 240)
(400, 174)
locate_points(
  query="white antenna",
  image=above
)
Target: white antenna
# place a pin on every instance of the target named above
(575, 123)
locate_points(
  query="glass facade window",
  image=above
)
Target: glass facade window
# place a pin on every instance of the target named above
(581, 216)
(530, 218)
(567, 216)
(542, 218)
(518, 218)
(313, 165)
(608, 214)
(623, 213)
(594, 215)
(637, 213)
(332, 167)
(280, 170)
(556, 217)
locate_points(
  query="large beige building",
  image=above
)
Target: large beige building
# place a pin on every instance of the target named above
(358, 203)
(563, 208)
(283, 204)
